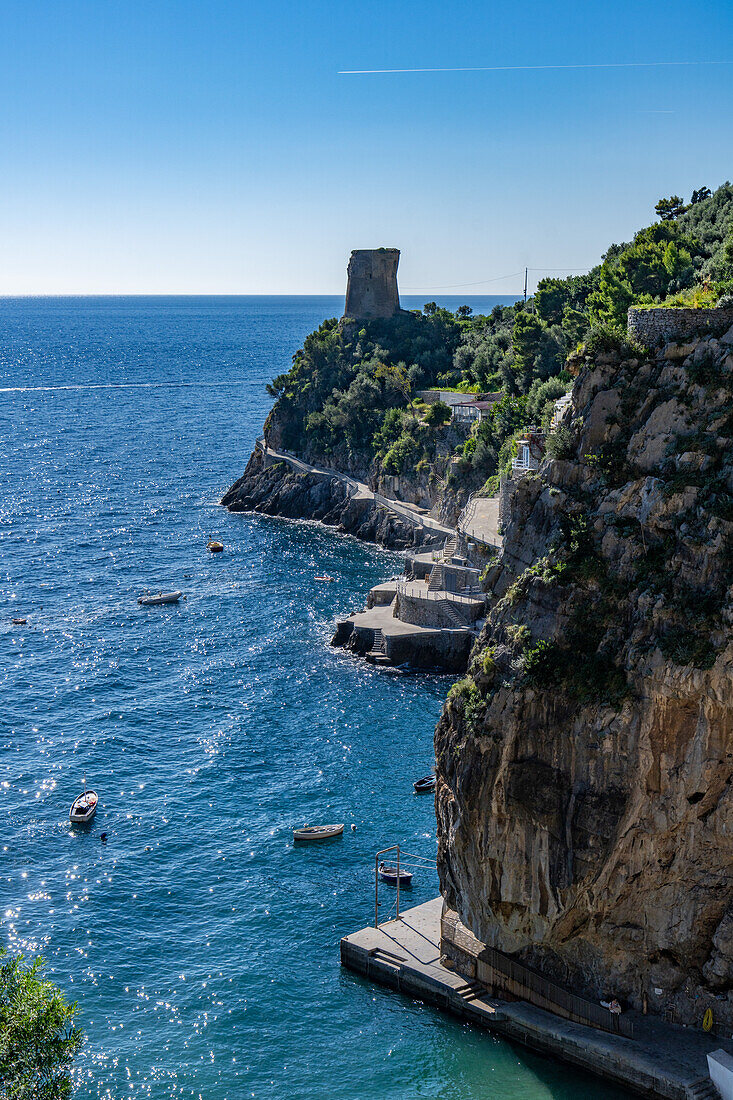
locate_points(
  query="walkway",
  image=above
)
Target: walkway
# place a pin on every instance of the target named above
(479, 520)
(660, 1061)
(360, 491)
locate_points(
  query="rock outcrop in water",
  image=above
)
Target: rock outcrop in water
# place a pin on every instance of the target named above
(584, 798)
(276, 489)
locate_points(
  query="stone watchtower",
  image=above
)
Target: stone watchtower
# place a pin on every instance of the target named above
(371, 290)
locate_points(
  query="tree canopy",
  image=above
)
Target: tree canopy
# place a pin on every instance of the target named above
(38, 1036)
(337, 400)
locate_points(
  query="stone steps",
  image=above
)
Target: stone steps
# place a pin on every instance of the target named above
(436, 579)
(470, 991)
(704, 1089)
(453, 616)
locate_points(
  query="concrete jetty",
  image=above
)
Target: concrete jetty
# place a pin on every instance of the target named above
(660, 1061)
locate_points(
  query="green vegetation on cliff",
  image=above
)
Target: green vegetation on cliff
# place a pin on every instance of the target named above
(349, 396)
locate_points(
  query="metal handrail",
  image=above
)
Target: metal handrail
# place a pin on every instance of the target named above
(376, 882)
(413, 589)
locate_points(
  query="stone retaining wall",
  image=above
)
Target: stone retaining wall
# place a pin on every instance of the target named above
(433, 613)
(507, 489)
(657, 326)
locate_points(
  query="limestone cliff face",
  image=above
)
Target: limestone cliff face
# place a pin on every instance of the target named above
(276, 489)
(584, 796)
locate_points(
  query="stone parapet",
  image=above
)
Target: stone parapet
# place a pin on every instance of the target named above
(651, 327)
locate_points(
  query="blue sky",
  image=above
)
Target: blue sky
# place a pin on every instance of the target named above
(186, 147)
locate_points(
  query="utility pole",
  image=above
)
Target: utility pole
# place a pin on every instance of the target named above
(525, 284)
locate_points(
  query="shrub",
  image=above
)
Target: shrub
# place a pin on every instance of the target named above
(439, 413)
(688, 647)
(543, 664)
(561, 443)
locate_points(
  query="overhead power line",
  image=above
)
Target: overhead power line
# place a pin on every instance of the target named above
(534, 68)
(452, 286)
(484, 282)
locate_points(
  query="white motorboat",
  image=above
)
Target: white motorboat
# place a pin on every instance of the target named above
(148, 600)
(317, 832)
(84, 807)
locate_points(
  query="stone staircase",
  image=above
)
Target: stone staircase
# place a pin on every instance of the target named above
(470, 991)
(457, 621)
(435, 583)
(450, 548)
(704, 1089)
(377, 655)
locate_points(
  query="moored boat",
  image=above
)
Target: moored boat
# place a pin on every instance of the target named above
(388, 872)
(84, 807)
(424, 785)
(317, 832)
(147, 600)
(325, 577)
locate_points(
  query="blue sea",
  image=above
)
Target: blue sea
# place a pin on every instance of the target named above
(203, 950)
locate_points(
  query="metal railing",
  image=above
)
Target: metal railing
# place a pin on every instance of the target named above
(404, 859)
(393, 848)
(419, 590)
(464, 518)
(505, 974)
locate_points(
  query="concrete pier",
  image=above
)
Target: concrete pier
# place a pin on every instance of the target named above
(660, 1061)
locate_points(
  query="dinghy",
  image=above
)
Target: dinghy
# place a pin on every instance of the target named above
(146, 600)
(84, 807)
(19, 622)
(388, 873)
(424, 785)
(214, 546)
(317, 832)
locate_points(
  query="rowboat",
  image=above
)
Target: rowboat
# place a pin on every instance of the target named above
(214, 546)
(146, 600)
(388, 873)
(84, 807)
(317, 832)
(19, 622)
(424, 785)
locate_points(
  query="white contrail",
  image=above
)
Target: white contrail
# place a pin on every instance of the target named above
(524, 68)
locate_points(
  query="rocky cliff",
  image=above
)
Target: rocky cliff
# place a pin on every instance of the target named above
(584, 801)
(276, 489)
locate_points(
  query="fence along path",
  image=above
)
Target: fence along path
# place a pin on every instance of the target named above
(505, 975)
(361, 491)
(479, 520)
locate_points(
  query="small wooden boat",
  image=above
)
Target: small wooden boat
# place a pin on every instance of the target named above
(325, 577)
(84, 807)
(388, 873)
(317, 832)
(146, 600)
(424, 785)
(19, 622)
(214, 546)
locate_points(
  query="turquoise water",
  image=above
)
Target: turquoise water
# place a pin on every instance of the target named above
(202, 948)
